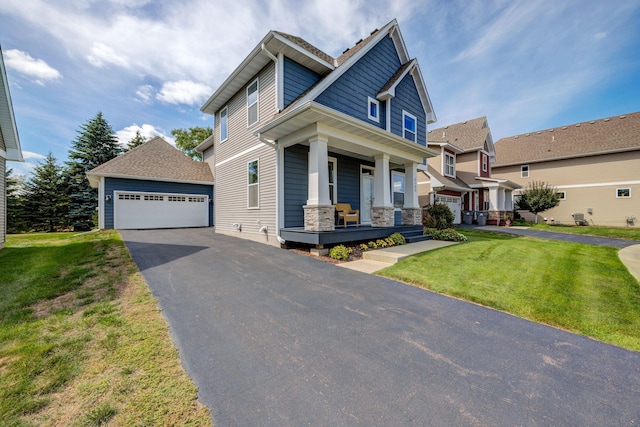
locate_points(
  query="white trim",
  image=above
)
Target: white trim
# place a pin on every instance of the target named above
(333, 160)
(256, 102)
(280, 82)
(563, 196)
(623, 197)
(445, 155)
(242, 153)
(3, 153)
(362, 201)
(391, 92)
(599, 184)
(370, 101)
(484, 166)
(225, 108)
(144, 178)
(404, 190)
(256, 184)
(415, 121)
(388, 113)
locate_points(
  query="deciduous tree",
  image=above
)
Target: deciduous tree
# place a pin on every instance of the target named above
(538, 197)
(188, 140)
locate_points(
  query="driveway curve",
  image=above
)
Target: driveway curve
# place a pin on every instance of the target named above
(271, 338)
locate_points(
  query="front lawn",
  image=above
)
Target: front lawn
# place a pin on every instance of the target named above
(630, 233)
(583, 288)
(82, 341)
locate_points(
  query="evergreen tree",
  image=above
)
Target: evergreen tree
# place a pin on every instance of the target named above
(45, 196)
(188, 140)
(17, 218)
(136, 140)
(94, 145)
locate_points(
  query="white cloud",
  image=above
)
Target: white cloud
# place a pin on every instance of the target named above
(145, 93)
(184, 92)
(148, 131)
(28, 155)
(102, 54)
(25, 64)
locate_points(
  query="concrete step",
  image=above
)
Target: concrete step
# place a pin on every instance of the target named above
(396, 253)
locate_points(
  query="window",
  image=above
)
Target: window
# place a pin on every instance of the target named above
(623, 193)
(128, 197)
(561, 195)
(253, 184)
(374, 110)
(409, 126)
(524, 171)
(224, 124)
(150, 197)
(252, 103)
(449, 164)
(398, 189)
(333, 177)
(484, 162)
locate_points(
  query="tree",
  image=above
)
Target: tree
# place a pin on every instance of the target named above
(538, 197)
(188, 140)
(94, 145)
(136, 140)
(17, 218)
(45, 196)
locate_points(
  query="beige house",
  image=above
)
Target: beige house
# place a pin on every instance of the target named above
(594, 165)
(460, 176)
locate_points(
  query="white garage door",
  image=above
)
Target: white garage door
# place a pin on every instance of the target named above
(158, 210)
(454, 204)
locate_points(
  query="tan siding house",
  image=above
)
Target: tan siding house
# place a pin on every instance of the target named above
(594, 165)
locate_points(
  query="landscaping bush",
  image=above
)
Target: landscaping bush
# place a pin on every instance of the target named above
(398, 239)
(381, 243)
(364, 247)
(437, 216)
(340, 252)
(449, 235)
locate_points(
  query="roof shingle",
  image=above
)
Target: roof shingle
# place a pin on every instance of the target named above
(467, 135)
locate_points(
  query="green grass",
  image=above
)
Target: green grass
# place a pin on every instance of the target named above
(582, 288)
(81, 339)
(630, 233)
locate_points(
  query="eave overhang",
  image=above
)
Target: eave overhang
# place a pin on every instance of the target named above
(94, 179)
(10, 136)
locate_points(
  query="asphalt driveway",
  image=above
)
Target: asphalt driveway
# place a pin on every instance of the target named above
(273, 338)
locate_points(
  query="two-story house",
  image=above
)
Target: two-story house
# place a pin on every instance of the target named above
(297, 131)
(460, 175)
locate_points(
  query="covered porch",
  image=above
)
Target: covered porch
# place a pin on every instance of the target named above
(499, 203)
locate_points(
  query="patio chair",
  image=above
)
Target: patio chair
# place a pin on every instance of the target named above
(346, 214)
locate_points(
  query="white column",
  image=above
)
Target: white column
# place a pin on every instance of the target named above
(501, 199)
(411, 185)
(318, 172)
(493, 199)
(508, 200)
(382, 183)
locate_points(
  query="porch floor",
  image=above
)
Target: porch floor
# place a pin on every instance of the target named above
(348, 234)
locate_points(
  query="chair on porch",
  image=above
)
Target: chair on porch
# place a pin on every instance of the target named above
(346, 214)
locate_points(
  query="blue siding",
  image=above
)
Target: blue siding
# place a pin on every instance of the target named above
(397, 218)
(407, 99)
(348, 94)
(120, 184)
(297, 79)
(296, 182)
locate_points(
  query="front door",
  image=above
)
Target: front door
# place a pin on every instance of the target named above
(366, 195)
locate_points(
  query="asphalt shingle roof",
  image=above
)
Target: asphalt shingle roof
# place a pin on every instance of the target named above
(156, 159)
(308, 47)
(618, 133)
(467, 135)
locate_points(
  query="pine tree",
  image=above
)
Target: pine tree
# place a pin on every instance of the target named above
(136, 140)
(45, 196)
(17, 218)
(94, 145)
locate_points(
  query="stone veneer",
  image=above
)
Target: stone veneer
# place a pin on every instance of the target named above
(382, 217)
(411, 216)
(319, 218)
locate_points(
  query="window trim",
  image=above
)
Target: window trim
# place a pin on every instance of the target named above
(224, 121)
(255, 184)
(485, 161)
(404, 190)
(335, 179)
(618, 196)
(562, 195)
(447, 154)
(372, 101)
(404, 129)
(256, 102)
(525, 173)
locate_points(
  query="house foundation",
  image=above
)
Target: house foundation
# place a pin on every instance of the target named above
(382, 217)
(319, 218)
(411, 216)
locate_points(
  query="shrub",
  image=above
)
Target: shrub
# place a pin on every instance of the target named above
(381, 243)
(449, 235)
(437, 216)
(364, 247)
(372, 245)
(398, 239)
(340, 252)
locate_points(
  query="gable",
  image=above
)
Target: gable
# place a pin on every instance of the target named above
(297, 79)
(407, 99)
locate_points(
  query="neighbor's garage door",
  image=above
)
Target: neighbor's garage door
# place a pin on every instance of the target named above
(157, 210)
(454, 204)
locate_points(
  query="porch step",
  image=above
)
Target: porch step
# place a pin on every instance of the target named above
(415, 236)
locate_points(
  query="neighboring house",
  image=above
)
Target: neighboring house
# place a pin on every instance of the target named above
(297, 131)
(460, 175)
(594, 165)
(153, 186)
(9, 145)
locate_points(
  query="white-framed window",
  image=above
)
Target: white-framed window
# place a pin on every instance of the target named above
(373, 110)
(623, 193)
(409, 126)
(397, 181)
(224, 124)
(524, 171)
(449, 164)
(333, 179)
(252, 103)
(562, 195)
(485, 162)
(253, 185)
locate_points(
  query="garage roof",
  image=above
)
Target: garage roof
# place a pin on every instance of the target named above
(155, 160)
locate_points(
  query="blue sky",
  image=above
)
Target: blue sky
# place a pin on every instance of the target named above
(149, 65)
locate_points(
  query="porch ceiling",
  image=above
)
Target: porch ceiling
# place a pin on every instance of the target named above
(346, 135)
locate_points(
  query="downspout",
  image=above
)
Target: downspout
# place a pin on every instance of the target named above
(274, 145)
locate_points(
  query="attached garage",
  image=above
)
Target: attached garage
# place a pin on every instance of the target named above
(454, 204)
(158, 210)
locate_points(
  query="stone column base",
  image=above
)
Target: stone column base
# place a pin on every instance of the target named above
(411, 216)
(382, 217)
(319, 218)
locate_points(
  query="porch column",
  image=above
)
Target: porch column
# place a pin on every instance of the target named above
(411, 212)
(493, 199)
(319, 213)
(501, 199)
(382, 212)
(508, 200)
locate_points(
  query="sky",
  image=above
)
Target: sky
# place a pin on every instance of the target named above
(150, 65)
